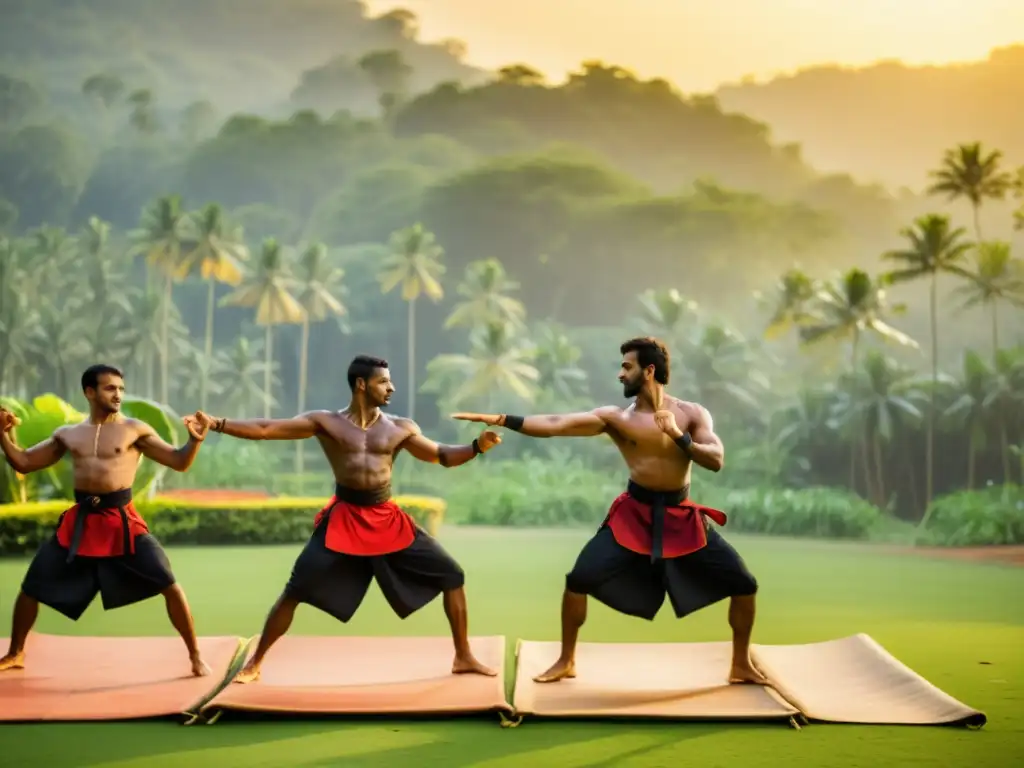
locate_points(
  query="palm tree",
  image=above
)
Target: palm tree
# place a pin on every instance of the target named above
(498, 362)
(239, 370)
(557, 363)
(968, 172)
(320, 284)
(486, 286)
(1005, 396)
(997, 276)
(878, 394)
(934, 247)
(795, 292)
(414, 263)
(162, 239)
(847, 308)
(969, 413)
(217, 250)
(268, 289)
(667, 314)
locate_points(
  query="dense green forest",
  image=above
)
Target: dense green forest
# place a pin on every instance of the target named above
(232, 225)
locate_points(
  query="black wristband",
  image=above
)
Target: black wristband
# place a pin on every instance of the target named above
(476, 447)
(515, 423)
(684, 441)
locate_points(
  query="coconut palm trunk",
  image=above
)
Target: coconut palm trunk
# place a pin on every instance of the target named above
(268, 371)
(930, 437)
(411, 331)
(165, 344)
(303, 373)
(208, 349)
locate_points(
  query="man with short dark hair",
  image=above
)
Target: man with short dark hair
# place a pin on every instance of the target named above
(362, 534)
(101, 544)
(653, 540)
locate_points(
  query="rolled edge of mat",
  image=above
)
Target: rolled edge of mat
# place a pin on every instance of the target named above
(234, 667)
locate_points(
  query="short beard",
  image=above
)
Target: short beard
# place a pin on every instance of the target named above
(632, 389)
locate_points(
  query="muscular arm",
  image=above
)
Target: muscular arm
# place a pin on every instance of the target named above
(423, 448)
(39, 456)
(300, 427)
(706, 450)
(153, 447)
(587, 424)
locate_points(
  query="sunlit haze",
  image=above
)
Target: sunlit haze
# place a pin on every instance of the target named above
(688, 42)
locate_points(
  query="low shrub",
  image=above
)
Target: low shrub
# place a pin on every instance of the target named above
(540, 492)
(818, 512)
(281, 520)
(993, 515)
(532, 492)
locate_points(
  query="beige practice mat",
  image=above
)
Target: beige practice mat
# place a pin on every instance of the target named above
(855, 680)
(850, 680)
(111, 678)
(649, 680)
(368, 675)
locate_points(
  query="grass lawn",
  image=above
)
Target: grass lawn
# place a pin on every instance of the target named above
(960, 624)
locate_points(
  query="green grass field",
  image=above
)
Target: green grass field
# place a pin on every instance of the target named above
(959, 624)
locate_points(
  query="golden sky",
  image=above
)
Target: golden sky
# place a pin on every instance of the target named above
(699, 44)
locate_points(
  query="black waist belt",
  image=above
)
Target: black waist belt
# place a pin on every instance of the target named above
(363, 497)
(94, 503)
(657, 501)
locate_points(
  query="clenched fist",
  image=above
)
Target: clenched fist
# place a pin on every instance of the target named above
(196, 428)
(8, 420)
(666, 421)
(487, 440)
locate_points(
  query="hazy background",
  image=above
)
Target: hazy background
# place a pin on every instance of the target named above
(581, 173)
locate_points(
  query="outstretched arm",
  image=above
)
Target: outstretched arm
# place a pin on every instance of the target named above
(39, 456)
(300, 427)
(154, 448)
(586, 424)
(423, 448)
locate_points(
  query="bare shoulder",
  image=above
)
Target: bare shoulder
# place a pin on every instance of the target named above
(137, 428)
(61, 433)
(406, 426)
(317, 417)
(607, 412)
(694, 413)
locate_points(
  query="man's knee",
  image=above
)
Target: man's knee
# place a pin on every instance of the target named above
(454, 578)
(746, 584)
(582, 580)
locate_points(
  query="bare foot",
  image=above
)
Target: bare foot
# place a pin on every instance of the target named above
(559, 670)
(199, 667)
(468, 665)
(745, 674)
(12, 661)
(250, 674)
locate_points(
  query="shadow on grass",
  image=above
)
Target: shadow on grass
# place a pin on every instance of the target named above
(364, 741)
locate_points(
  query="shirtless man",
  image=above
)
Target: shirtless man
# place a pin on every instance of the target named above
(101, 544)
(654, 540)
(362, 534)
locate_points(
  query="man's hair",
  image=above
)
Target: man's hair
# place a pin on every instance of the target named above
(362, 367)
(91, 377)
(649, 351)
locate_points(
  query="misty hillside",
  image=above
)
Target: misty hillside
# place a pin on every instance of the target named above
(243, 56)
(889, 122)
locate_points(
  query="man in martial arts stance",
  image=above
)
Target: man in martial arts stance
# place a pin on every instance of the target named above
(362, 533)
(101, 543)
(653, 540)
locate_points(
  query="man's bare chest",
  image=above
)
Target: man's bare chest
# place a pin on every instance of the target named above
(106, 441)
(346, 438)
